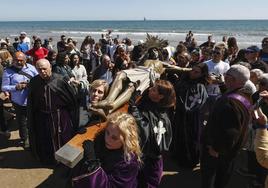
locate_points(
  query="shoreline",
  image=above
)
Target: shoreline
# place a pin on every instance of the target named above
(173, 38)
(247, 32)
(86, 20)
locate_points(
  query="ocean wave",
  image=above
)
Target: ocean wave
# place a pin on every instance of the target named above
(130, 33)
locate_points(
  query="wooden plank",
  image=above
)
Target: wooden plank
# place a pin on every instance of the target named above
(78, 140)
(72, 152)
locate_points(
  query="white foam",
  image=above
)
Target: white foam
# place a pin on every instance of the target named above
(116, 32)
(244, 39)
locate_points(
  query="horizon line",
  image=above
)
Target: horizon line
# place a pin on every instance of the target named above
(249, 19)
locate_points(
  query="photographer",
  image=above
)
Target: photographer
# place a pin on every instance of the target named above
(15, 80)
(261, 139)
(216, 68)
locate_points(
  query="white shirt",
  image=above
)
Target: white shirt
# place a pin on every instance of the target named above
(28, 41)
(80, 72)
(217, 69)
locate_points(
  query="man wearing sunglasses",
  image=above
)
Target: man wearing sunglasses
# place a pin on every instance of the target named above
(15, 81)
(252, 56)
(264, 50)
(216, 68)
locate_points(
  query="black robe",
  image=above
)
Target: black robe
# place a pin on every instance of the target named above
(53, 115)
(148, 116)
(227, 125)
(155, 137)
(191, 97)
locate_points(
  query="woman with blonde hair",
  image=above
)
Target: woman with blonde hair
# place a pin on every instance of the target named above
(113, 159)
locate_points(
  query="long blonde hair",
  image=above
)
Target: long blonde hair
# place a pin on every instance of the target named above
(128, 133)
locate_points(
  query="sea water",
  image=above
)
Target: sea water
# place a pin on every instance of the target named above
(247, 32)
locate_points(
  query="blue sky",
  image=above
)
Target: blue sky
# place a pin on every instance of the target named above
(29, 10)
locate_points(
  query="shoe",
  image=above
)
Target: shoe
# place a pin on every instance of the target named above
(245, 173)
(24, 143)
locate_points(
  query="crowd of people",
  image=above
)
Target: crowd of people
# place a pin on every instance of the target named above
(199, 103)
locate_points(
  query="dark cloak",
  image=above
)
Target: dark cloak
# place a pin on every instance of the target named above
(227, 125)
(53, 115)
(191, 97)
(148, 116)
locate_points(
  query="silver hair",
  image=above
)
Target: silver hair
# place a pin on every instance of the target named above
(240, 73)
(43, 61)
(258, 72)
(249, 88)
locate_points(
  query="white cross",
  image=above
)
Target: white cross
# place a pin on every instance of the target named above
(159, 131)
(193, 99)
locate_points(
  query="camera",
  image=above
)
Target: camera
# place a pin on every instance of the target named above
(217, 76)
(258, 103)
(257, 100)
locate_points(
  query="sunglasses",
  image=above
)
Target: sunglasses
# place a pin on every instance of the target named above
(249, 52)
(262, 84)
(216, 52)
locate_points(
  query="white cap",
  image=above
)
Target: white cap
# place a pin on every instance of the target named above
(140, 42)
(2, 41)
(23, 33)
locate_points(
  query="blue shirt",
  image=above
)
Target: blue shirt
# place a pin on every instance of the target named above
(23, 47)
(11, 78)
(264, 57)
(103, 74)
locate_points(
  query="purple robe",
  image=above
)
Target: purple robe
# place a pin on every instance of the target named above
(124, 174)
(115, 171)
(151, 173)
